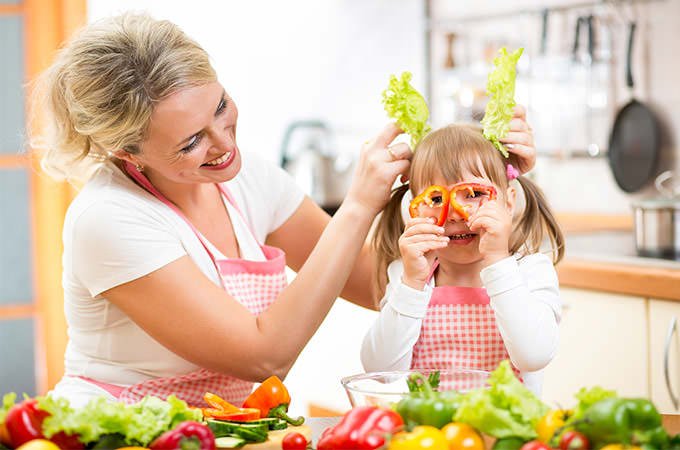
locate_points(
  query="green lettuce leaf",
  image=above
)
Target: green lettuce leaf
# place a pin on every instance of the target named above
(7, 402)
(404, 104)
(588, 397)
(505, 409)
(140, 423)
(500, 86)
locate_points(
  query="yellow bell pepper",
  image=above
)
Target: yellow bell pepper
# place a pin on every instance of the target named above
(38, 444)
(620, 447)
(422, 437)
(550, 422)
(462, 436)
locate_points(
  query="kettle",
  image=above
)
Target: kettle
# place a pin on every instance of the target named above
(308, 154)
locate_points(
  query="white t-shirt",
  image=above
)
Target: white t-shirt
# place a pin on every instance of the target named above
(116, 232)
(526, 302)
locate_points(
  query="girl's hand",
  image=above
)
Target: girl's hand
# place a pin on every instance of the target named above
(494, 224)
(377, 169)
(520, 140)
(420, 237)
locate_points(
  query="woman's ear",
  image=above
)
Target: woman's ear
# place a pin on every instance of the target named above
(127, 156)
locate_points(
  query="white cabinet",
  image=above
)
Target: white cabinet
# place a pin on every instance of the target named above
(661, 315)
(603, 341)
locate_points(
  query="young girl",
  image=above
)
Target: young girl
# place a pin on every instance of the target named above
(475, 290)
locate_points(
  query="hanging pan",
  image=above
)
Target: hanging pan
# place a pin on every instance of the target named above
(634, 141)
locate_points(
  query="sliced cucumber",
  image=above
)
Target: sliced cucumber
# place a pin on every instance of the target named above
(251, 433)
(229, 442)
(271, 422)
(280, 424)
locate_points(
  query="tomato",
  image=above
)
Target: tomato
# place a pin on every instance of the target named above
(294, 441)
(552, 420)
(38, 444)
(535, 445)
(573, 440)
(462, 436)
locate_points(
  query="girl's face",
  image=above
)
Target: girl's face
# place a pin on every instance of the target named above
(463, 245)
(191, 138)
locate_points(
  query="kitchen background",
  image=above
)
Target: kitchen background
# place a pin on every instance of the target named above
(308, 75)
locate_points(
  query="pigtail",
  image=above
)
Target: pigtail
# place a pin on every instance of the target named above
(536, 220)
(385, 239)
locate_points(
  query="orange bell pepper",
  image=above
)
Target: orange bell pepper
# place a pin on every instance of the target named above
(272, 399)
(434, 196)
(471, 188)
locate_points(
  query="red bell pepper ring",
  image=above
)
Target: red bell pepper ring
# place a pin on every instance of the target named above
(241, 414)
(24, 423)
(362, 428)
(186, 435)
(428, 197)
(470, 188)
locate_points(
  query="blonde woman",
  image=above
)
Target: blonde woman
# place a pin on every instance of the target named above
(462, 284)
(174, 250)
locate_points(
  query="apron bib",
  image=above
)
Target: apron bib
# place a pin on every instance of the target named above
(459, 331)
(254, 284)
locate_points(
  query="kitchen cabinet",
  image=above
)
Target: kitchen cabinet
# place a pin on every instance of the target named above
(661, 314)
(603, 341)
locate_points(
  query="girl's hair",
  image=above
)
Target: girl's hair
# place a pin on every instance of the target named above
(100, 92)
(449, 152)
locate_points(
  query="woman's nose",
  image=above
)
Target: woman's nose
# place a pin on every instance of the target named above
(222, 140)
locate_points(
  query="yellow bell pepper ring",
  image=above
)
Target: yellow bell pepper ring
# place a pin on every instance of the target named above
(38, 444)
(422, 437)
(620, 447)
(550, 422)
(462, 436)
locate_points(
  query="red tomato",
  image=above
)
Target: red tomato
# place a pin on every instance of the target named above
(573, 440)
(535, 445)
(294, 441)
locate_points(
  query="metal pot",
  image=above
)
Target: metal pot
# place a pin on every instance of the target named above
(657, 222)
(308, 154)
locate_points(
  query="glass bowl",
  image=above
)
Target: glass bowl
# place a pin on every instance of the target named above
(387, 388)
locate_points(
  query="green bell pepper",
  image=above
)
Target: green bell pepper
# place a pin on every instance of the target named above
(629, 421)
(427, 407)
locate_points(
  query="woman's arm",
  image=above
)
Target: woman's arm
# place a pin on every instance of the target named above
(525, 298)
(388, 345)
(191, 316)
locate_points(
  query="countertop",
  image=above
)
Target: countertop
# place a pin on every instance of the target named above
(600, 255)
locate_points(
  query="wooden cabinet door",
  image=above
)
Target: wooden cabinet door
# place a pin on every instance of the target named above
(661, 315)
(603, 341)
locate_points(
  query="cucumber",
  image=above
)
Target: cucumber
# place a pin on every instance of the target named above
(280, 424)
(251, 433)
(229, 442)
(273, 423)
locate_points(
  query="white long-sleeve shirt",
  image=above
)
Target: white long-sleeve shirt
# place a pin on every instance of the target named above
(524, 296)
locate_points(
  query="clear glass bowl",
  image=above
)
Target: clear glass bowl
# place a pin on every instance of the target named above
(386, 388)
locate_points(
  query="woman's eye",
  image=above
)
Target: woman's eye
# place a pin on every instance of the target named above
(192, 144)
(222, 106)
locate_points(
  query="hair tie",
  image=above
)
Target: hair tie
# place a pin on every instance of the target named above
(511, 172)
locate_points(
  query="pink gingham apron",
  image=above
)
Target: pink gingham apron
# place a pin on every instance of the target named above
(459, 331)
(254, 284)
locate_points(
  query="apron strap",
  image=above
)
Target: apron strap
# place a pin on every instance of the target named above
(432, 269)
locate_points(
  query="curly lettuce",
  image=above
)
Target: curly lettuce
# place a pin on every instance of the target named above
(500, 86)
(404, 104)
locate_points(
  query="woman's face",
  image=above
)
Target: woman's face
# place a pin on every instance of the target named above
(192, 137)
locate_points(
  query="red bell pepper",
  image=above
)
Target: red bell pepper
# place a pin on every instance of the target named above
(471, 188)
(362, 428)
(241, 414)
(186, 435)
(24, 423)
(272, 399)
(433, 196)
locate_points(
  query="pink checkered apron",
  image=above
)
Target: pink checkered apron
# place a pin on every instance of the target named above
(254, 284)
(459, 331)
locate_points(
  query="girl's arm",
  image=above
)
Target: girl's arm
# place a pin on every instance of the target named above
(388, 345)
(525, 297)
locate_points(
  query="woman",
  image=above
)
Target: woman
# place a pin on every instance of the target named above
(167, 287)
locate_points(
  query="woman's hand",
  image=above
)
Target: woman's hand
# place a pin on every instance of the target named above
(420, 237)
(520, 141)
(378, 167)
(494, 224)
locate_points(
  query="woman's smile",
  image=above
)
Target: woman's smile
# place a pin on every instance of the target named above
(220, 162)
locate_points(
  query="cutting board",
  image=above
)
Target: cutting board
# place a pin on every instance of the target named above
(275, 437)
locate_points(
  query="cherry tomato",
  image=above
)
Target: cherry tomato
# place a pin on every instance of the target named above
(462, 437)
(573, 440)
(535, 445)
(294, 441)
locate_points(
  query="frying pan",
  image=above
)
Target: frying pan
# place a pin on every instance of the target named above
(635, 140)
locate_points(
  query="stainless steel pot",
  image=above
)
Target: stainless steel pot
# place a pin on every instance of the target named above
(657, 222)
